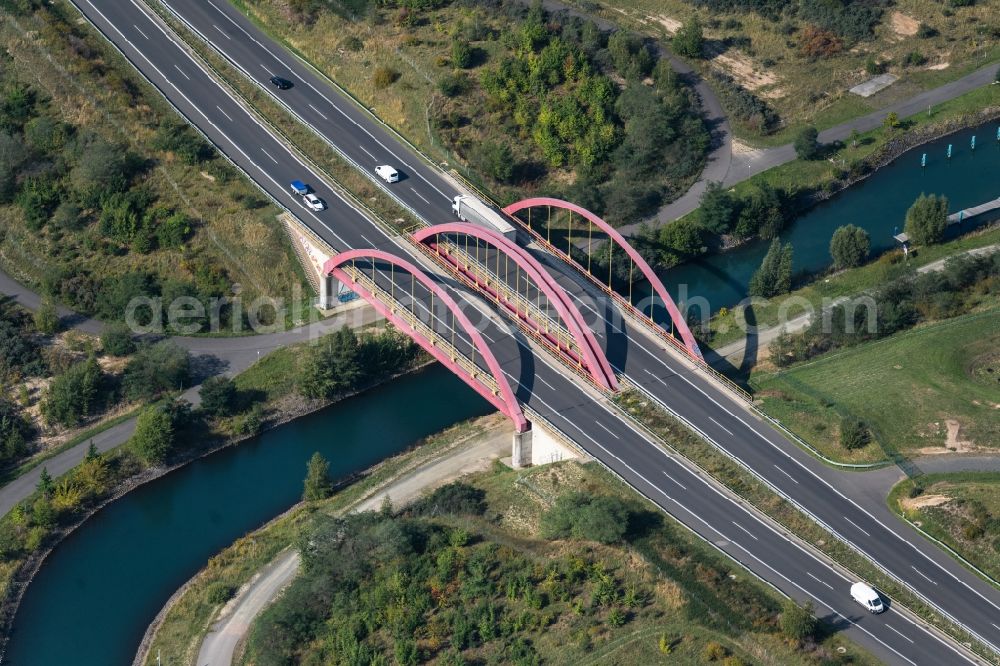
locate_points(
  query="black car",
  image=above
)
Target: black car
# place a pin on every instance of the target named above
(280, 83)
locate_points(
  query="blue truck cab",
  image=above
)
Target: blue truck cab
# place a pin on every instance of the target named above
(299, 188)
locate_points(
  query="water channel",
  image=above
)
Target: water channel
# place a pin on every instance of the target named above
(99, 590)
(877, 204)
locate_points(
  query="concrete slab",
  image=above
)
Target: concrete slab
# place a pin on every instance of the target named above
(873, 85)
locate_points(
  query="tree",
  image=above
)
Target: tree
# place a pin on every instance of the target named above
(317, 484)
(849, 246)
(384, 77)
(854, 434)
(760, 213)
(14, 432)
(116, 340)
(927, 219)
(218, 396)
(891, 120)
(495, 160)
(332, 368)
(797, 622)
(156, 369)
(574, 514)
(73, 395)
(717, 209)
(45, 484)
(688, 39)
(807, 145)
(680, 240)
(153, 439)
(775, 273)
(461, 54)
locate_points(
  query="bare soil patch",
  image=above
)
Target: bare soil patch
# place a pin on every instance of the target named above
(744, 70)
(903, 25)
(910, 504)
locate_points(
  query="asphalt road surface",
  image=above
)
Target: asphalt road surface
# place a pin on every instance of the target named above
(540, 383)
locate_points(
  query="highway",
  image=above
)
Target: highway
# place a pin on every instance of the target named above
(541, 384)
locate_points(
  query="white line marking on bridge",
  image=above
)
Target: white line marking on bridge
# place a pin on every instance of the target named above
(605, 428)
(721, 426)
(654, 376)
(421, 196)
(269, 155)
(923, 575)
(267, 69)
(821, 582)
(544, 381)
(995, 625)
(785, 473)
(223, 112)
(856, 525)
(368, 240)
(140, 31)
(745, 530)
(182, 72)
(221, 32)
(675, 480)
(899, 632)
(367, 153)
(322, 115)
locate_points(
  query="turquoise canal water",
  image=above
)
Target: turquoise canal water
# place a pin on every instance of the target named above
(877, 204)
(99, 590)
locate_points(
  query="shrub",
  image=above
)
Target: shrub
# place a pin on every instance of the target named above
(384, 77)
(453, 499)
(854, 434)
(317, 484)
(116, 340)
(156, 369)
(495, 160)
(46, 318)
(818, 43)
(218, 396)
(603, 519)
(461, 54)
(797, 622)
(716, 209)
(219, 592)
(454, 84)
(914, 59)
(775, 273)
(713, 651)
(153, 439)
(849, 246)
(73, 395)
(925, 31)
(873, 67)
(688, 40)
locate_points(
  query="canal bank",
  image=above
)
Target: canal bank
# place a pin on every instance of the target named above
(134, 552)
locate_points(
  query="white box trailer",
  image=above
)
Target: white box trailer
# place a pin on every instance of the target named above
(867, 597)
(470, 209)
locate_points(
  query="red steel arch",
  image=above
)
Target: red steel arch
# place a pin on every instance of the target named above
(618, 239)
(593, 357)
(506, 402)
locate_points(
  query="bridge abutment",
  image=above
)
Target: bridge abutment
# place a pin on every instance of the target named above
(538, 446)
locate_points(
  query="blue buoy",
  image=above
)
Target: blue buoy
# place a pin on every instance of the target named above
(923, 160)
(949, 151)
(998, 132)
(973, 141)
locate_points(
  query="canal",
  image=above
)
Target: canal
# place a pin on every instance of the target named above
(877, 204)
(98, 591)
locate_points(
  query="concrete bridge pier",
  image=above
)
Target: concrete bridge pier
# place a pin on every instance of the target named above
(538, 446)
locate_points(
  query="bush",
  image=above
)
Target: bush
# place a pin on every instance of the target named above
(818, 43)
(798, 623)
(854, 434)
(73, 395)
(849, 246)
(317, 484)
(689, 39)
(603, 519)
(153, 439)
(332, 367)
(873, 67)
(15, 432)
(495, 160)
(927, 219)
(219, 592)
(384, 77)
(713, 651)
(807, 145)
(218, 396)
(717, 209)
(914, 59)
(461, 54)
(454, 499)
(925, 31)
(454, 84)
(116, 340)
(155, 370)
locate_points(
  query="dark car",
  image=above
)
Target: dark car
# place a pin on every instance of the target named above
(280, 83)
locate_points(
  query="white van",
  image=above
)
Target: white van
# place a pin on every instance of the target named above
(867, 597)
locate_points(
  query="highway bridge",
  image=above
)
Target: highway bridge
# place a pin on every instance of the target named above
(510, 321)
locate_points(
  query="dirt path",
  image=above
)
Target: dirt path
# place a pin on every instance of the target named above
(227, 633)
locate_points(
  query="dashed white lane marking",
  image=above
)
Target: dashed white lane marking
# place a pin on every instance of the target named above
(923, 575)
(745, 530)
(322, 115)
(421, 196)
(721, 426)
(785, 473)
(140, 31)
(544, 381)
(904, 637)
(856, 525)
(367, 153)
(181, 71)
(221, 31)
(367, 240)
(269, 155)
(223, 112)
(605, 428)
(820, 581)
(675, 481)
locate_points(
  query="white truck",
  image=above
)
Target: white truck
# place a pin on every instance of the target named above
(867, 597)
(470, 209)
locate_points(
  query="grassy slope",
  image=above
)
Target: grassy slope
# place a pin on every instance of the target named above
(248, 243)
(905, 387)
(944, 522)
(815, 92)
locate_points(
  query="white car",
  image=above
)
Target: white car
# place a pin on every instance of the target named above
(387, 173)
(314, 202)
